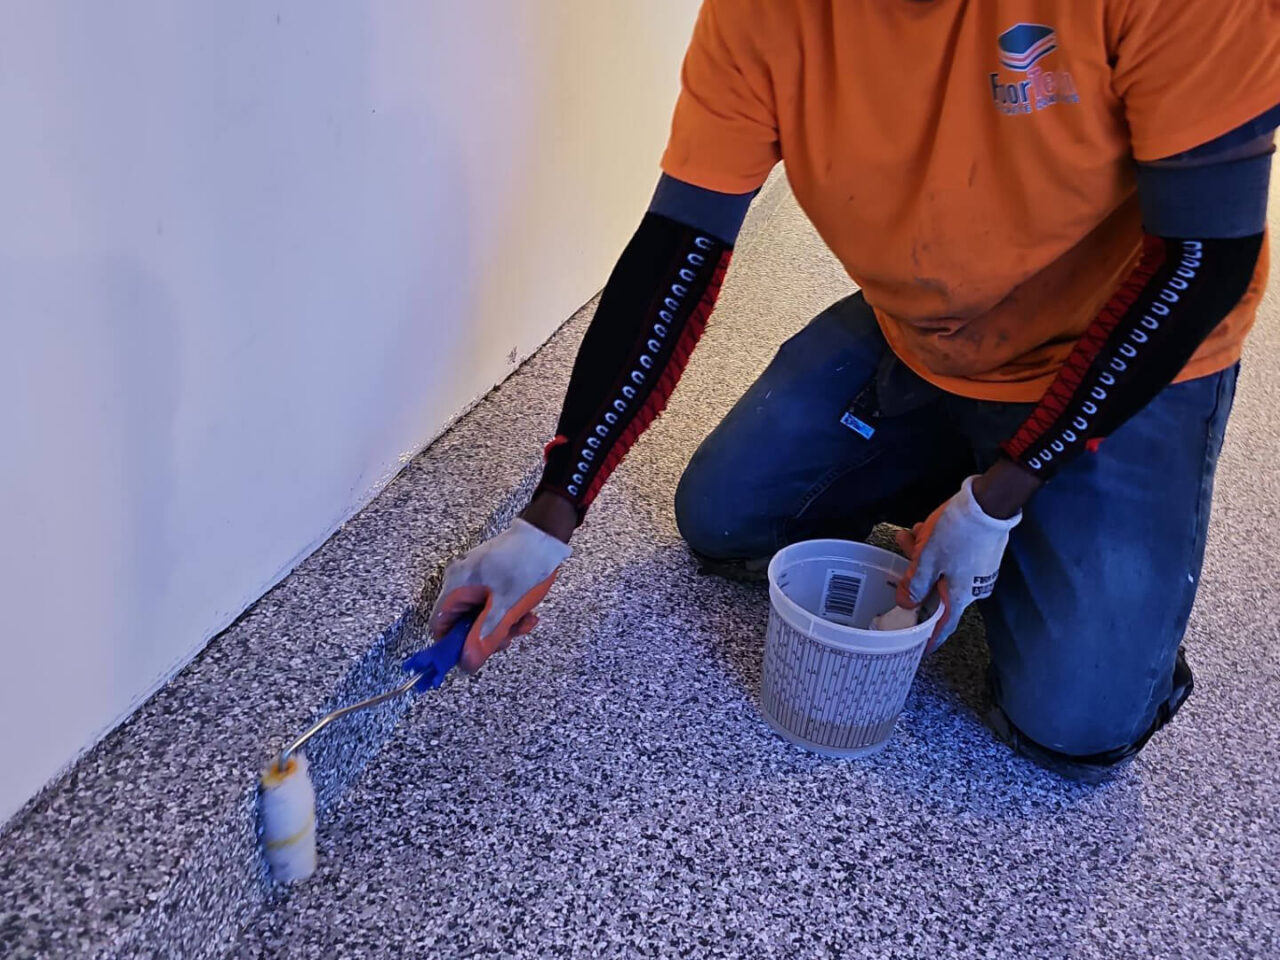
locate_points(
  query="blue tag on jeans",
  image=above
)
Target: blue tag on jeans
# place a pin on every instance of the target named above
(860, 427)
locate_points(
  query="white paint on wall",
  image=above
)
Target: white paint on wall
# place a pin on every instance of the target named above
(250, 254)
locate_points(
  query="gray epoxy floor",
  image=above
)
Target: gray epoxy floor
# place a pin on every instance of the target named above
(607, 789)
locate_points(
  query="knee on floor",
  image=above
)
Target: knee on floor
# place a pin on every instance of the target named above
(1084, 726)
(712, 520)
(1086, 674)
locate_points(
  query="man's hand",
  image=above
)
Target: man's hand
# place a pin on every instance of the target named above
(958, 549)
(504, 578)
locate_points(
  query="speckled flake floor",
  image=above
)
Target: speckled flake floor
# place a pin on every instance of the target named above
(608, 789)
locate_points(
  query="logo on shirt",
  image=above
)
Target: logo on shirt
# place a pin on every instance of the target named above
(1022, 47)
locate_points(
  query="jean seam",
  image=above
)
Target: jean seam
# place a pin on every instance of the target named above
(1204, 499)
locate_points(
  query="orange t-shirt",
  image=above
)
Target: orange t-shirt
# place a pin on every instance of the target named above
(971, 163)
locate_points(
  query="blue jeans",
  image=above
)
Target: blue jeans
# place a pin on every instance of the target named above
(1097, 584)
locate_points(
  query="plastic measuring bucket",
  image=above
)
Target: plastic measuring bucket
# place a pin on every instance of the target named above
(830, 684)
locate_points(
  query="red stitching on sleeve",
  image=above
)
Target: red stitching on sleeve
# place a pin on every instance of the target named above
(558, 440)
(1063, 389)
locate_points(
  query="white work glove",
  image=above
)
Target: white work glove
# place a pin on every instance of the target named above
(503, 579)
(958, 549)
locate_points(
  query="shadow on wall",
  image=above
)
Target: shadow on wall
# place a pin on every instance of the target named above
(91, 365)
(212, 353)
(260, 254)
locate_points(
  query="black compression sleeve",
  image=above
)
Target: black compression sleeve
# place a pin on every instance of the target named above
(651, 314)
(1180, 290)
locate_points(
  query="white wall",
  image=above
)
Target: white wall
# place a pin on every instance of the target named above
(250, 254)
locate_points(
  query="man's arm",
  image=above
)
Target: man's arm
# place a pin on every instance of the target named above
(651, 314)
(1204, 213)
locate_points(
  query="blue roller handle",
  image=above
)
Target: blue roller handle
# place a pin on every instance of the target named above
(435, 662)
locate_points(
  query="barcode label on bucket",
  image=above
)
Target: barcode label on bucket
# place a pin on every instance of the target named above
(841, 596)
